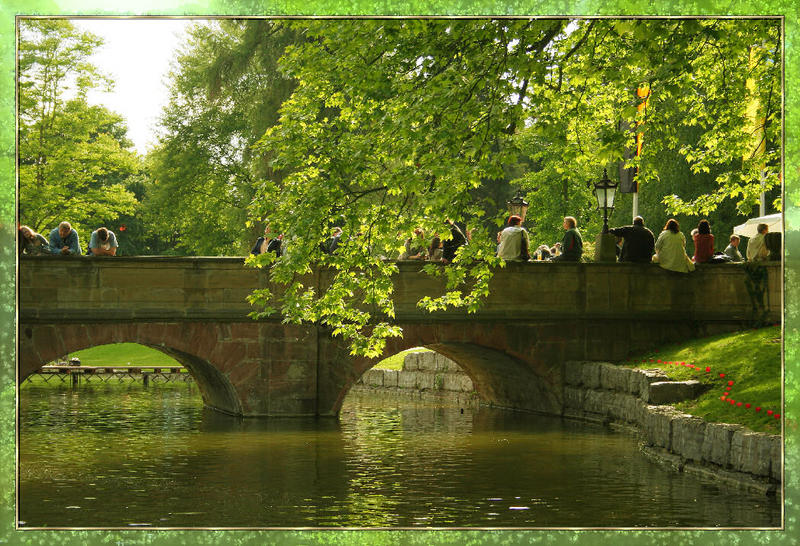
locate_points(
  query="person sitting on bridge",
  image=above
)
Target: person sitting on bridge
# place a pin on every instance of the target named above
(103, 242)
(64, 240)
(732, 250)
(514, 242)
(757, 250)
(671, 249)
(332, 243)
(415, 247)
(458, 238)
(571, 244)
(638, 242)
(703, 243)
(267, 243)
(31, 242)
(435, 250)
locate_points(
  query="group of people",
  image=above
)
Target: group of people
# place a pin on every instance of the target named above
(635, 243)
(64, 241)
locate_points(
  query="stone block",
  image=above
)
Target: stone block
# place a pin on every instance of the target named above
(717, 443)
(390, 378)
(573, 373)
(670, 392)
(590, 375)
(688, 434)
(596, 401)
(658, 426)
(573, 398)
(373, 378)
(407, 380)
(751, 452)
(645, 378)
(615, 378)
(776, 460)
(457, 382)
(411, 361)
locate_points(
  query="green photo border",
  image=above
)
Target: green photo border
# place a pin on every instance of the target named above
(8, 312)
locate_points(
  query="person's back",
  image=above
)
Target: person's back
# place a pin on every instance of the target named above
(638, 242)
(572, 243)
(514, 243)
(756, 247)
(450, 246)
(703, 242)
(671, 249)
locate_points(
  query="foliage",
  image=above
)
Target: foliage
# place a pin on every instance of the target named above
(225, 92)
(751, 359)
(74, 158)
(398, 124)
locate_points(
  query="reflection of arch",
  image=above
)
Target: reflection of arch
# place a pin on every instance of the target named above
(41, 344)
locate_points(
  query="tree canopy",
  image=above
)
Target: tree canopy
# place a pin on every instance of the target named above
(74, 158)
(398, 124)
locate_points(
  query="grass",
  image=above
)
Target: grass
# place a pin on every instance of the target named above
(751, 360)
(395, 362)
(123, 354)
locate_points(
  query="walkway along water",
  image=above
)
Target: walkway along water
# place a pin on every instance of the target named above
(634, 399)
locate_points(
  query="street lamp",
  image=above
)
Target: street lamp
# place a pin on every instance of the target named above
(518, 206)
(605, 191)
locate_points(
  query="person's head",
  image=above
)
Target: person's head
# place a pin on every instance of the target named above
(26, 232)
(336, 231)
(102, 234)
(703, 227)
(418, 232)
(672, 225)
(734, 241)
(514, 220)
(694, 232)
(762, 228)
(64, 229)
(570, 222)
(638, 221)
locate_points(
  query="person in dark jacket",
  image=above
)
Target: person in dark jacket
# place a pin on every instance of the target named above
(571, 244)
(638, 243)
(450, 246)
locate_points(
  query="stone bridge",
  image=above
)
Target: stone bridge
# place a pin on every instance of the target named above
(538, 316)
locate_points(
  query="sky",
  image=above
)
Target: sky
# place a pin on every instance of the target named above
(137, 54)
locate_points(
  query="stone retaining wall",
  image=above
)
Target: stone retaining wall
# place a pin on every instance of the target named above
(424, 371)
(729, 453)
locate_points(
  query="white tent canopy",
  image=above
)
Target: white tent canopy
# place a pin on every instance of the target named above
(749, 228)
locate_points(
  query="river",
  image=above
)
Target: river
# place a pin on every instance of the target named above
(127, 455)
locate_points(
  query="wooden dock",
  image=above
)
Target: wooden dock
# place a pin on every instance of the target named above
(147, 374)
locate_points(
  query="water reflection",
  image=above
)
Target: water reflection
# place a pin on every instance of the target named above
(125, 455)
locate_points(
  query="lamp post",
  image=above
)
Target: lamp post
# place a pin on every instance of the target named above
(605, 191)
(518, 206)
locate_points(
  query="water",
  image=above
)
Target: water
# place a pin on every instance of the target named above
(124, 455)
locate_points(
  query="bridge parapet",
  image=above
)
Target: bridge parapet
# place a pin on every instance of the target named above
(59, 289)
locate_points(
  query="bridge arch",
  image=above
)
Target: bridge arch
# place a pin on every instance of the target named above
(42, 344)
(517, 380)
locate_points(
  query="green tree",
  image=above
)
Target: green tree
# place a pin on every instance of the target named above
(73, 157)
(225, 92)
(400, 124)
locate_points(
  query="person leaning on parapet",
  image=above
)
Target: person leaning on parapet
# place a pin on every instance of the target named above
(32, 243)
(64, 240)
(732, 250)
(638, 242)
(103, 243)
(458, 238)
(514, 243)
(671, 249)
(332, 243)
(435, 250)
(703, 243)
(571, 244)
(756, 247)
(267, 243)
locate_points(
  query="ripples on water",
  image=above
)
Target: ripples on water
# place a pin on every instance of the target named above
(119, 455)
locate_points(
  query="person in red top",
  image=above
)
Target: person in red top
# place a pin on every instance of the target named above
(703, 243)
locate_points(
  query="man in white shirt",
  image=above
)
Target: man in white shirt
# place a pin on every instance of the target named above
(756, 248)
(103, 243)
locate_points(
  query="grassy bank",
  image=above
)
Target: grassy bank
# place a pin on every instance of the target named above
(742, 371)
(123, 354)
(395, 362)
